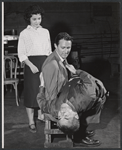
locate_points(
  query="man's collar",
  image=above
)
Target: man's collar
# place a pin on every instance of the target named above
(71, 105)
(59, 56)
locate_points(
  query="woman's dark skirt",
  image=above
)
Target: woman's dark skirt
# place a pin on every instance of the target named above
(32, 81)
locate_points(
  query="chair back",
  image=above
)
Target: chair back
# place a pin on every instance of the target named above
(10, 67)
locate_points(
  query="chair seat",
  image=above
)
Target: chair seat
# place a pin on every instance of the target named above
(10, 80)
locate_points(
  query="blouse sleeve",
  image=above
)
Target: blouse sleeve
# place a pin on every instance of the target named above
(22, 48)
(49, 49)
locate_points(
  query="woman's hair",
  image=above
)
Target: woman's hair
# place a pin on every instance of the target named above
(32, 10)
(63, 35)
(69, 130)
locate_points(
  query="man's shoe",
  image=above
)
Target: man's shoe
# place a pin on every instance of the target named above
(90, 133)
(87, 142)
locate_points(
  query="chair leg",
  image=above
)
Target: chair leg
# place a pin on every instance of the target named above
(49, 136)
(16, 94)
(48, 126)
(46, 135)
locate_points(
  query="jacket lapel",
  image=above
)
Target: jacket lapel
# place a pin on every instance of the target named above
(61, 65)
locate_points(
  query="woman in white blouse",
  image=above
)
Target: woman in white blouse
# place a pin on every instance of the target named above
(33, 48)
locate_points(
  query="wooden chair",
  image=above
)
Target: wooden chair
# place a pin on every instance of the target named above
(10, 74)
(51, 130)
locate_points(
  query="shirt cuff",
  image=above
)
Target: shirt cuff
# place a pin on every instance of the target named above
(23, 58)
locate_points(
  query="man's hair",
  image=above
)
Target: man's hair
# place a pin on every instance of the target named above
(63, 35)
(69, 130)
(32, 10)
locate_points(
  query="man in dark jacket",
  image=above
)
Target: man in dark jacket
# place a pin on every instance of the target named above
(79, 103)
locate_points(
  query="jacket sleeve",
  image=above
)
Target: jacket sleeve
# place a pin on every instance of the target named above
(41, 98)
(48, 46)
(47, 98)
(47, 106)
(86, 77)
(44, 105)
(50, 75)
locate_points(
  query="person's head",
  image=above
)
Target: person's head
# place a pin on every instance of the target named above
(33, 15)
(68, 119)
(63, 44)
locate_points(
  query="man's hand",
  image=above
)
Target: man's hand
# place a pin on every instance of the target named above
(71, 68)
(101, 84)
(33, 68)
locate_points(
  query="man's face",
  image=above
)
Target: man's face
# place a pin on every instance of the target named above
(63, 48)
(66, 115)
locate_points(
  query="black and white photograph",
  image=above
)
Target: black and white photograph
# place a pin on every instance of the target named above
(61, 74)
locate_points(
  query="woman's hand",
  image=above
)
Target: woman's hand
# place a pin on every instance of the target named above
(33, 68)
